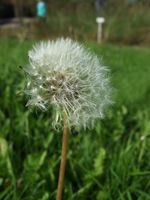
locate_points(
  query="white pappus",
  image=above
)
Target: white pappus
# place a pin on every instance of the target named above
(65, 75)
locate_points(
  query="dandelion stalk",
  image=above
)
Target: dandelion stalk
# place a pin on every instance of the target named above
(63, 161)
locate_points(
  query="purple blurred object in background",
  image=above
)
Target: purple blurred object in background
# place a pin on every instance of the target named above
(99, 4)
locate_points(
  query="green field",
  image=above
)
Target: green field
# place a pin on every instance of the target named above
(125, 23)
(110, 162)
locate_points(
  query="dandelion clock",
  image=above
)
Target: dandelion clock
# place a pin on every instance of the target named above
(64, 75)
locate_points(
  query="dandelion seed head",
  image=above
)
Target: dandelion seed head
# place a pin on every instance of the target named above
(65, 75)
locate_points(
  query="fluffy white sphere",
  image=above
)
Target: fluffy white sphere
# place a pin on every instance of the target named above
(64, 75)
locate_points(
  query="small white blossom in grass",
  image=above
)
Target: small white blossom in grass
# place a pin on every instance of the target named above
(64, 75)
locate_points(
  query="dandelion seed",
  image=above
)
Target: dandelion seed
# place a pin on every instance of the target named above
(142, 137)
(66, 75)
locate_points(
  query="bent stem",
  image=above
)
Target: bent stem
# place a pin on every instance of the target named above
(63, 161)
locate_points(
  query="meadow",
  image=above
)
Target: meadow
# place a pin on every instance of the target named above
(109, 162)
(124, 23)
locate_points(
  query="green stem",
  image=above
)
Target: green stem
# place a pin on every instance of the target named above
(63, 161)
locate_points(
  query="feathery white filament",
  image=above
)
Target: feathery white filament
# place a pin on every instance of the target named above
(65, 75)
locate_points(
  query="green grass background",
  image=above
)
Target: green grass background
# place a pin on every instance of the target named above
(125, 23)
(110, 162)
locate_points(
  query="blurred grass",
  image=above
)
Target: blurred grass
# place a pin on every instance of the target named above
(112, 161)
(130, 72)
(125, 24)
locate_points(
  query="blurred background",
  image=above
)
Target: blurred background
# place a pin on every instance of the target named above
(109, 162)
(127, 21)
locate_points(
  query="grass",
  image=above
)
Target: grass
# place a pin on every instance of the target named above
(130, 71)
(124, 24)
(112, 161)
